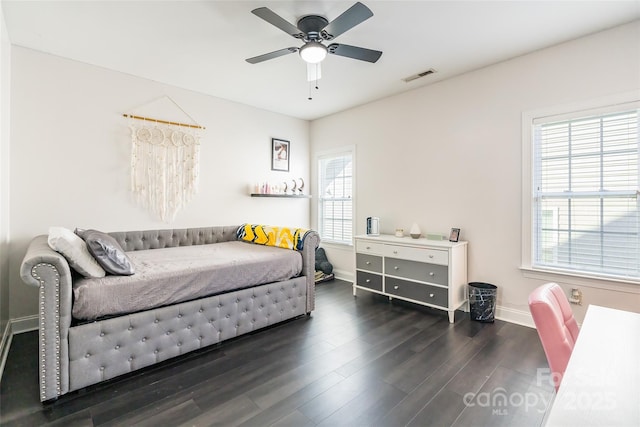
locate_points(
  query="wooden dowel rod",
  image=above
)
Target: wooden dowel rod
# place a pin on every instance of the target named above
(163, 121)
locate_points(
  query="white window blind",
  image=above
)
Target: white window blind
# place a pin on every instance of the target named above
(335, 205)
(586, 194)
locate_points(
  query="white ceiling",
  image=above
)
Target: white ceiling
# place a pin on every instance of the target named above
(202, 45)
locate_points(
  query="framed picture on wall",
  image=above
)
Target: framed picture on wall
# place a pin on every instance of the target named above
(455, 235)
(279, 155)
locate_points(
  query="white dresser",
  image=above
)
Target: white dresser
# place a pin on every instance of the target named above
(427, 272)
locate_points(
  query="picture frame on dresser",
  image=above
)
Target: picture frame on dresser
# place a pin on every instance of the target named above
(454, 236)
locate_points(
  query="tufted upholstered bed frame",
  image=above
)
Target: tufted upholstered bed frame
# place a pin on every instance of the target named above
(73, 356)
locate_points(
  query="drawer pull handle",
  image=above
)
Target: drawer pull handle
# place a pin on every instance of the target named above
(368, 263)
(432, 274)
(396, 287)
(368, 247)
(430, 256)
(430, 295)
(395, 252)
(396, 268)
(368, 281)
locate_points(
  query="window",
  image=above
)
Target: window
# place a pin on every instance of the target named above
(585, 193)
(335, 203)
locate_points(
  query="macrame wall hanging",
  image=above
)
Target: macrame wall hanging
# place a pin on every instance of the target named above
(165, 163)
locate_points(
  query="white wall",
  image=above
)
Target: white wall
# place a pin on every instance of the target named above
(449, 155)
(5, 104)
(70, 157)
(445, 155)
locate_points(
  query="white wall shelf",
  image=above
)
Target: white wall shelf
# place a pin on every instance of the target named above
(283, 196)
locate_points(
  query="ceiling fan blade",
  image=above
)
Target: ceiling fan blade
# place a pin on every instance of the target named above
(276, 20)
(271, 55)
(351, 17)
(354, 52)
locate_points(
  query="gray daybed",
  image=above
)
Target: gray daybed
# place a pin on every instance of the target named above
(75, 354)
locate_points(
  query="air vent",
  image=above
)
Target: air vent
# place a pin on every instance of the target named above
(417, 76)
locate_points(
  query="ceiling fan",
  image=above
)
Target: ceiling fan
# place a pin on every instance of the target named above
(313, 30)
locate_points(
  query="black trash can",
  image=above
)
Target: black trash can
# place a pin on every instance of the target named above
(482, 301)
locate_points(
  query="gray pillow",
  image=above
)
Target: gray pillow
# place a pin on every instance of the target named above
(75, 250)
(106, 250)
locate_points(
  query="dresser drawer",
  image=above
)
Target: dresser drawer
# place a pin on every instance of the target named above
(417, 291)
(434, 256)
(422, 271)
(369, 280)
(369, 262)
(367, 247)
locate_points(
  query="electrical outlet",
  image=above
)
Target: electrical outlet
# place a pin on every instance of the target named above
(576, 296)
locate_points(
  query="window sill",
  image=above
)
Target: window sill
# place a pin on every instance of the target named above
(583, 279)
(336, 244)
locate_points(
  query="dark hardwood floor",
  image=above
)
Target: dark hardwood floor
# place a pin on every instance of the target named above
(355, 362)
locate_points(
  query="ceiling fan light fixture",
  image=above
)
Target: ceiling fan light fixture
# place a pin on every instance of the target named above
(313, 52)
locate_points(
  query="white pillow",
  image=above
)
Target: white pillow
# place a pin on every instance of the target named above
(74, 249)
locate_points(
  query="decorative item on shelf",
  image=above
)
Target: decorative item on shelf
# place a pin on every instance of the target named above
(399, 232)
(373, 226)
(415, 231)
(278, 189)
(259, 188)
(455, 235)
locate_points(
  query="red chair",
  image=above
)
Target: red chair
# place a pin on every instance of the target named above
(556, 326)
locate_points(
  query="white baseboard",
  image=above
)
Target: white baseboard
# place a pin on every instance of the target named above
(343, 275)
(24, 324)
(512, 315)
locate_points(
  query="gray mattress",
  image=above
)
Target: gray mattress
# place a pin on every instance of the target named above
(171, 275)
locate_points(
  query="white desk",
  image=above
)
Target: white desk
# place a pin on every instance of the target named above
(601, 386)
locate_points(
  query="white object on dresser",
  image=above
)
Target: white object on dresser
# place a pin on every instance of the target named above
(427, 272)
